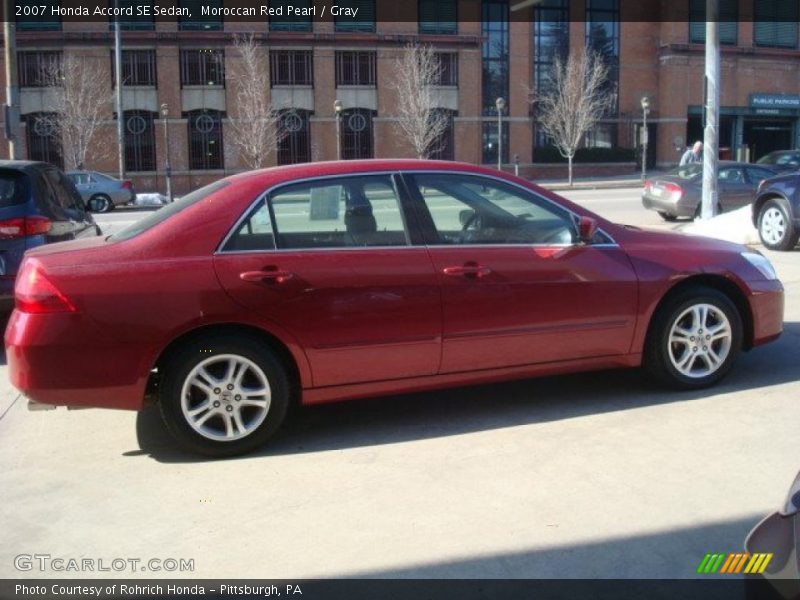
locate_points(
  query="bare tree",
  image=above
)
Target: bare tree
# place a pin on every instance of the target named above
(420, 120)
(256, 127)
(577, 99)
(81, 103)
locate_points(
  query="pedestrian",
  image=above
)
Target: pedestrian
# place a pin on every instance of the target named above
(693, 154)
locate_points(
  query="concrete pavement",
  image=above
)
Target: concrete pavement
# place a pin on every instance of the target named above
(593, 475)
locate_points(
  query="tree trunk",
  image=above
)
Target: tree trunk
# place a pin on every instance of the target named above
(569, 169)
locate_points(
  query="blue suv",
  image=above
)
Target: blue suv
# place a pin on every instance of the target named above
(38, 205)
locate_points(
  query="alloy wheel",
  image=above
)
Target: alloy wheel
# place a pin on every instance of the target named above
(773, 225)
(700, 340)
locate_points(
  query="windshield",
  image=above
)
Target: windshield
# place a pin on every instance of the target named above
(168, 211)
(687, 171)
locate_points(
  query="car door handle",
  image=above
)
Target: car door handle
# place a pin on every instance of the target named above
(470, 270)
(266, 276)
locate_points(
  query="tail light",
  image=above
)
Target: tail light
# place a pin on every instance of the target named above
(127, 185)
(673, 190)
(648, 185)
(35, 293)
(23, 227)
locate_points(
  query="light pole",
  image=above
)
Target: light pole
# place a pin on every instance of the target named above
(118, 94)
(164, 115)
(12, 87)
(337, 109)
(500, 104)
(645, 135)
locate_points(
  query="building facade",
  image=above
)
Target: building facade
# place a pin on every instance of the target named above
(487, 51)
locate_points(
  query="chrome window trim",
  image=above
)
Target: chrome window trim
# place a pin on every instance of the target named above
(265, 194)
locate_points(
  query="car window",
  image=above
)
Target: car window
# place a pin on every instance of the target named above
(162, 214)
(255, 232)
(787, 160)
(79, 178)
(99, 178)
(757, 175)
(66, 194)
(342, 212)
(689, 171)
(467, 209)
(731, 175)
(13, 188)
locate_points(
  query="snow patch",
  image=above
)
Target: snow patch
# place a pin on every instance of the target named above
(735, 226)
(150, 200)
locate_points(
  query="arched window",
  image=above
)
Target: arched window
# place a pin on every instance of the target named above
(295, 145)
(42, 137)
(356, 131)
(140, 140)
(205, 140)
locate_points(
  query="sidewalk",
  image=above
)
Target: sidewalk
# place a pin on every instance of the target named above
(629, 180)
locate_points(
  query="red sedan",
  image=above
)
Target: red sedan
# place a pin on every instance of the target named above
(321, 282)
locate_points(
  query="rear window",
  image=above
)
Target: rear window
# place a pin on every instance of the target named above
(13, 188)
(687, 171)
(168, 211)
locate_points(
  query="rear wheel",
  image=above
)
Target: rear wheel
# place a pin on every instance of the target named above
(223, 397)
(775, 227)
(694, 339)
(667, 217)
(100, 203)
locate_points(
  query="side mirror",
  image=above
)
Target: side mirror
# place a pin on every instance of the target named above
(587, 228)
(466, 216)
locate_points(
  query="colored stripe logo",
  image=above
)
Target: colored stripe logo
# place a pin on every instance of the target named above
(733, 563)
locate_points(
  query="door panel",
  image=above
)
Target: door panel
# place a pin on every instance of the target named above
(516, 287)
(341, 278)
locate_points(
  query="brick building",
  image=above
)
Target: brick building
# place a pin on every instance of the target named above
(487, 49)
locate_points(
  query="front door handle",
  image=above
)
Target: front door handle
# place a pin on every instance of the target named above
(469, 270)
(266, 276)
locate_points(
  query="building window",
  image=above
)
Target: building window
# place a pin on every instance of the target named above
(199, 22)
(448, 69)
(775, 24)
(364, 19)
(293, 22)
(42, 137)
(495, 66)
(37, 69)
(355, 68)
(291, 67)
(140, 140)
(138, 68)
(602, 36)
(728, 21)
(356, 134)
(550, 43)
(203, 67)
(438, 17)
(444, 147)
(135, 22)
(36, 15)
(205, 140)
(295, 145)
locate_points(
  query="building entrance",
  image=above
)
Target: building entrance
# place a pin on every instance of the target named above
(763, 136)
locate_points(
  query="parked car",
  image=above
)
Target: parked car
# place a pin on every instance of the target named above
(776, 211)
(38, 205)
(101, 193)
(781, 160)
(776, 538)
(323, 282)
(678, 193)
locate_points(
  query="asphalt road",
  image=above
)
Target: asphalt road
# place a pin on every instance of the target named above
(593, 475)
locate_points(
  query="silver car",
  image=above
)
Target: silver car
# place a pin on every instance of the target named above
(100, 192)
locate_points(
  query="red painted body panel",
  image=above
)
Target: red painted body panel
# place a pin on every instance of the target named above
(358, 322)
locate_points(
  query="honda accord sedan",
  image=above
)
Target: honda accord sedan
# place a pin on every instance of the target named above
(323, 282)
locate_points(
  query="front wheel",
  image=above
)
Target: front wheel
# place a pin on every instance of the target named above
(223, 397)
(694, 339)
(775, 226)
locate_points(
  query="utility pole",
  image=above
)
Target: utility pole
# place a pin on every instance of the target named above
(711, 108)
(118, 95)
(12, 85)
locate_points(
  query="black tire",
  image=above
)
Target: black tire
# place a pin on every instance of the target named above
(667, 217)
(100, 203)
(179, 366)
(771, 239)
(658, 360)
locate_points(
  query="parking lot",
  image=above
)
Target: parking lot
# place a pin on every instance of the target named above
(593, 475)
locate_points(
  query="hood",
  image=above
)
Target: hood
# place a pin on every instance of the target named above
(669, 240)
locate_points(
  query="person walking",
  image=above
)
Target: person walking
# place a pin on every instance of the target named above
(693, 154)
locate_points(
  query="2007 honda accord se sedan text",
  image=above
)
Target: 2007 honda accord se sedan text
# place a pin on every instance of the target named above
(322, 282)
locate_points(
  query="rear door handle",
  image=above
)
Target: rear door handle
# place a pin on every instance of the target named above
(470, 270)
(266, 276)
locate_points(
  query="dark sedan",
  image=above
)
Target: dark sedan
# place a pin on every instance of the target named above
(776, 211)
(678, 193)
(781, 160)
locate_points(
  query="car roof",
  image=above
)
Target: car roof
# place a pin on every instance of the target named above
(23, 165)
